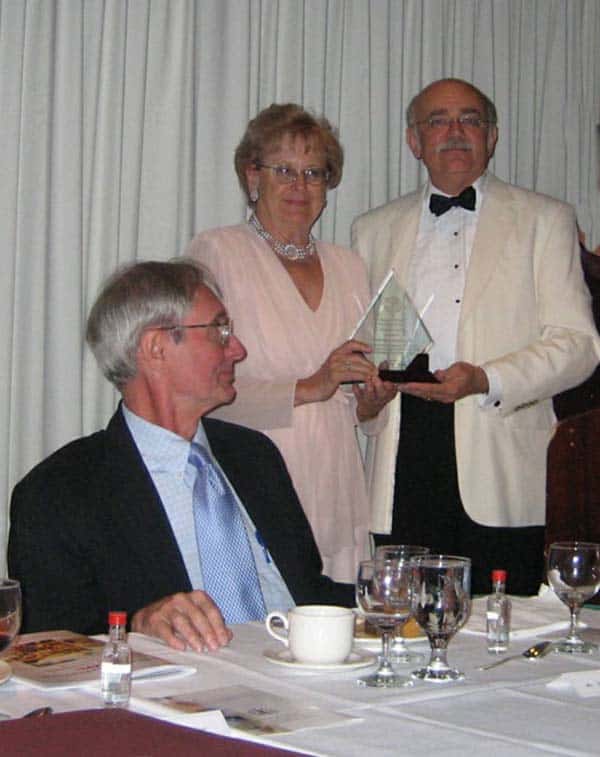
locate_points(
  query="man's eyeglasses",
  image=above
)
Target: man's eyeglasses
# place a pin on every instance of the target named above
(223, 328)
(438, 123)
(289, 175)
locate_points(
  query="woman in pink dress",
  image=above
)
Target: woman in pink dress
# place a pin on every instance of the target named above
(295, 301)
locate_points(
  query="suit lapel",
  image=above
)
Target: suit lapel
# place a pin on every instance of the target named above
(403, 233)
(490, 244)
(234, 461)
(131, 492)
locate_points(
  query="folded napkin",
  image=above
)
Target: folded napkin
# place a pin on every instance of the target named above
(531, 616)
(585, 684)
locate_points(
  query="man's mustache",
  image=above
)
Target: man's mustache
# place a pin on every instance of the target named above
(453, 144)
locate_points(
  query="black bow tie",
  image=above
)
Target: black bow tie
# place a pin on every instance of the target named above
(438, 204)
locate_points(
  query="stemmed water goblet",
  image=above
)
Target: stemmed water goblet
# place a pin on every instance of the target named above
(383, 590)
(10, 611)
(574, 575)
(441, 602)
(399, 652)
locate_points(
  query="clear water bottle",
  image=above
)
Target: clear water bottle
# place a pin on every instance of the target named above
(115, 670)
(498, 615)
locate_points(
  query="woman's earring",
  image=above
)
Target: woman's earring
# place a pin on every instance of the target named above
(253, 195)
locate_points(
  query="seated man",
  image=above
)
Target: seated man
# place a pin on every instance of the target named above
(139, 517)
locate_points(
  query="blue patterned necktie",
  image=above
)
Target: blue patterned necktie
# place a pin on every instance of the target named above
(228, 567)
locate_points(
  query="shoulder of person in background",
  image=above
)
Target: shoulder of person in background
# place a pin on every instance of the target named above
(583, 244)
(590, 262)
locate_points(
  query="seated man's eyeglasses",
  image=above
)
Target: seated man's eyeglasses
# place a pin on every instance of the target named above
(444, 122)
(223, 328)
(289, 175)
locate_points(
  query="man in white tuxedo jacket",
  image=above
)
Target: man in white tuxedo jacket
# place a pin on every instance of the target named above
(461, 465)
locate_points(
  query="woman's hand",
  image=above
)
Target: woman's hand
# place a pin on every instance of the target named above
(372, 397)
(347, 363)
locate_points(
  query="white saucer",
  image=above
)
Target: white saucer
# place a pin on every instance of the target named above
(370, 644)
(356, 659)
(5, 671)
(373, 643)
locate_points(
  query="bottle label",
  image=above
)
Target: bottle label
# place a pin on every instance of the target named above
(492, 615)
(115, 669)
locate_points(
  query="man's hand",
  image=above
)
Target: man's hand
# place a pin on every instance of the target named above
(458, 381)
(184, 620)
(372, 397)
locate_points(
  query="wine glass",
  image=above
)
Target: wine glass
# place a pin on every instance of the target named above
(574, 575)
(441, 601)
(399, 651)
(383, 591)
(10, 611)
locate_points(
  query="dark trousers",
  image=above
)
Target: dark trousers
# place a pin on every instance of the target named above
(428, 509)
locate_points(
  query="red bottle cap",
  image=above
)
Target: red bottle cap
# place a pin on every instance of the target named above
(117, 618)
(499, 575)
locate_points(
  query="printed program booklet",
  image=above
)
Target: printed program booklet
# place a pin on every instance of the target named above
(252, 711)
(63, 659)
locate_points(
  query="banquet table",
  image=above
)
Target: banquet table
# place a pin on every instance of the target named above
(510, 710)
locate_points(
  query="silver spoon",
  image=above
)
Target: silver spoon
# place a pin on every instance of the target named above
(39, 712)
(537, 650)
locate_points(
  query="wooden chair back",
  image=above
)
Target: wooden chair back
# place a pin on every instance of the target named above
(573, 481)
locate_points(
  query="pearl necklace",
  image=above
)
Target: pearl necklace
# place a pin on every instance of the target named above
(288, 251)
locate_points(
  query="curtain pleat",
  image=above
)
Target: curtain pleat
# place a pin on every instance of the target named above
(120, 118)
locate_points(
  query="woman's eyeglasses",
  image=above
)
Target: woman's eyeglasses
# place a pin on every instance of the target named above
(288, 175)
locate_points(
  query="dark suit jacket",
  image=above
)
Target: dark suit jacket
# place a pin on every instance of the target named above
(89, 533)
(590, 262)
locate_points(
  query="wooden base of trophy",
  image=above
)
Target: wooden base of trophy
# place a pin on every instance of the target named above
(417, 371)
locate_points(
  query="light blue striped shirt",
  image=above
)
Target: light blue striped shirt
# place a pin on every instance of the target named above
(165, 455)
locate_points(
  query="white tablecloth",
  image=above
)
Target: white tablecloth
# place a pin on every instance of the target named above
(509, 710)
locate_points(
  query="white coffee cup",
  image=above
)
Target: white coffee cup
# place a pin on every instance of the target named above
(316, 634)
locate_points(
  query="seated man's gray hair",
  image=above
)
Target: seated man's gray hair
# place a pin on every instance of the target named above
(135, 298)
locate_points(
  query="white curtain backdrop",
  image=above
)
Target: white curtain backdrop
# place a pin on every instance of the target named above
(118, 121)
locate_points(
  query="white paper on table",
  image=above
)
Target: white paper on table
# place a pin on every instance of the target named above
(585, 683)
(210, 720)
(531, 616)
(16, 702)
(250, 711)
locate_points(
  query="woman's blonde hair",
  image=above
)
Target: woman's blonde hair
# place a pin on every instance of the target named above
(273, 124)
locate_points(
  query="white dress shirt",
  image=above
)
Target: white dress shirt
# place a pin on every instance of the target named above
(437, 274)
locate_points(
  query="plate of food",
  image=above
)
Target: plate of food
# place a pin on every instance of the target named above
(5, 671)
(366, 635)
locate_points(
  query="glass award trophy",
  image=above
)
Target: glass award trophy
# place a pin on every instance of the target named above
(398, 336)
